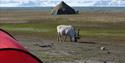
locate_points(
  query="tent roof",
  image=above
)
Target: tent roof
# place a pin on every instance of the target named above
(8, 41)
(61, 5)
(12, 52)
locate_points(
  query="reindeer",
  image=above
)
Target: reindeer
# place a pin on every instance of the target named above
(67, 30)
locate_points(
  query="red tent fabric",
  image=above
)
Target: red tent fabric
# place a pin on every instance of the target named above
(7, 41)
(12, 52)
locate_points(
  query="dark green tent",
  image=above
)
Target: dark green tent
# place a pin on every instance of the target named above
(62, 8)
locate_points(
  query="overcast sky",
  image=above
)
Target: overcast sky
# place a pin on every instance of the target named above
(45, 3)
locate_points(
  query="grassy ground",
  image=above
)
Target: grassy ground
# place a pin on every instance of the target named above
(96, 30)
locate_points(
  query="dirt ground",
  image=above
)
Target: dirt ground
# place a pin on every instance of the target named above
(83, 51)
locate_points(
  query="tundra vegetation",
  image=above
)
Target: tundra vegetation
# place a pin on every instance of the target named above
(36, 30)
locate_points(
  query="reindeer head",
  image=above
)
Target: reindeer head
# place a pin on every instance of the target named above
(75, 36)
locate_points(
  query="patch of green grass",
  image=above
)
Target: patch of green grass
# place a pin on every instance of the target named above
(86, 28)
(104, 32)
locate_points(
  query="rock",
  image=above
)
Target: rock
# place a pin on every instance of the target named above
(102, 48)
(108, 52)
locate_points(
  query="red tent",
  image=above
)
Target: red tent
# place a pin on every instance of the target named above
(12, 52)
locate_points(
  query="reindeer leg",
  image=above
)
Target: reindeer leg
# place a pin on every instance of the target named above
(61, 38)
(65, 38)
(70, 39)
(57, 37)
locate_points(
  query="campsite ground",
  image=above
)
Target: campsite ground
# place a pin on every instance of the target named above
(36, 31)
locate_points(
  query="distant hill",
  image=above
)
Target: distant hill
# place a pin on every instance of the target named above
(48, 9)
